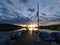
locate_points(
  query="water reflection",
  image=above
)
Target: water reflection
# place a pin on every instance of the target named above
(6, 35)
(42, 30)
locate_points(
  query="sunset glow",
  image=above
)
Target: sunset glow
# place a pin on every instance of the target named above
(32, 27)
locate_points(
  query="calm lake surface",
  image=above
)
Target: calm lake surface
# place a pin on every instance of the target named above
(5, 36)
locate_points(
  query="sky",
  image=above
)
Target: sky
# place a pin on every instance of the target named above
(24, 11)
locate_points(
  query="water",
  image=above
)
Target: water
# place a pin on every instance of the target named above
(5, 38)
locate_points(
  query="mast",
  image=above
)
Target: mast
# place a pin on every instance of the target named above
(38, 39)
(38, 14)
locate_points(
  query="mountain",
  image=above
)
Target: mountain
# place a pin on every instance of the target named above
(51, 27)
(9, 27)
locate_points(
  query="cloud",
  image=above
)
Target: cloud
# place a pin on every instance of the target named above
(42, 5)
(31, 10)
(6, 17)
(55, 19)
(43, 14)
(58, 12)
(12, 19)
(12, 12)
(2, 4)
(57, 15)
(50, 9)
(8, 1)
(4, 10)
(57, 0)
(24, 1)
(12, 7)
